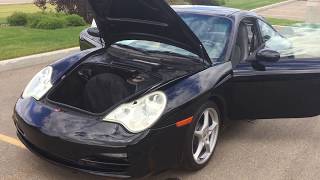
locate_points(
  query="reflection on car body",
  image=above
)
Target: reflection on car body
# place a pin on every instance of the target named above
(154, 84)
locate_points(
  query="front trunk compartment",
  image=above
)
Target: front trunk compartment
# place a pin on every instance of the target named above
(97, 87)
(108, 78)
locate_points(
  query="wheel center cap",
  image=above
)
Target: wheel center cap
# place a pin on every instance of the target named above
(205, 134)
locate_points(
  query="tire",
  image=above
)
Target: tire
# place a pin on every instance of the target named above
(194, 138)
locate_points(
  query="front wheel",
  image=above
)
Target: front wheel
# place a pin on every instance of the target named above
(202, 137)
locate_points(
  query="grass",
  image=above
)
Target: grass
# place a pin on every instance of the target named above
(7, 10)
(249, 4)
(22, 41)
(282, 22)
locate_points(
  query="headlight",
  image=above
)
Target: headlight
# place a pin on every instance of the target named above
(140, 114)
(39, 85)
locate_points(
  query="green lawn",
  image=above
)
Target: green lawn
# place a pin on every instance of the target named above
(249, 4)
(282, 22)
(21, 41)
(7, 10)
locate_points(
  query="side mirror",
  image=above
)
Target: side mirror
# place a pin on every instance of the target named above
(266, 38)
(93, 31)
(265, 57)
(268, 56)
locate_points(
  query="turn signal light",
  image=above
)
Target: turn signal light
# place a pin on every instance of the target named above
(184, 122)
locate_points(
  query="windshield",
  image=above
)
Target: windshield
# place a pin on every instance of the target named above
(212, 31)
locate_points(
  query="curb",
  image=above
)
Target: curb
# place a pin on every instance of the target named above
(44, 58)
(273, 5)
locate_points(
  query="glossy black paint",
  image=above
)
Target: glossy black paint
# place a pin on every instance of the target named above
(152, 20)
(287, 88)
(77, 139)
(268, 55)
(62, 66)
(85, 143)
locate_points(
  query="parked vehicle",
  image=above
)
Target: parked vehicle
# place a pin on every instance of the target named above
(157, 90)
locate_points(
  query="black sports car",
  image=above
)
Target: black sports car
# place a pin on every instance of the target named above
(158, 91)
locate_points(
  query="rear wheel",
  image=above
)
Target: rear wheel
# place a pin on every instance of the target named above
(202, 137)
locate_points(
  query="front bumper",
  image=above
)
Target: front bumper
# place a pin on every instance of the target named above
(99, 149)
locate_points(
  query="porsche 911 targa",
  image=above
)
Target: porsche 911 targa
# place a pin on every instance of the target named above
(156, 93)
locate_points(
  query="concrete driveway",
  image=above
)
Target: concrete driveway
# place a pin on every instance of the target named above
(265, 149)
(298, 10)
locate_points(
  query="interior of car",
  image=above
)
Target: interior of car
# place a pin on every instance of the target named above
(247, 41)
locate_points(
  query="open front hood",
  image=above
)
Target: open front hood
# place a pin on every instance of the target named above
(152, 20)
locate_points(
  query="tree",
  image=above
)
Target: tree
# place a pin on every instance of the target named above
(79, 7)
(42, 4)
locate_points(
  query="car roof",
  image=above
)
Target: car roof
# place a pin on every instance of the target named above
(212, 10)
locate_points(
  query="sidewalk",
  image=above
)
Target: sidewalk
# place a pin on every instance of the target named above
(32, 60)
(296, 10)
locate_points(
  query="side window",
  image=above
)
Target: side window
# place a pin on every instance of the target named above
(272, 39)
(267, 32)
(247, 41)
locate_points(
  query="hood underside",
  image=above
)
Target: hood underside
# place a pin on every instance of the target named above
(152, 20)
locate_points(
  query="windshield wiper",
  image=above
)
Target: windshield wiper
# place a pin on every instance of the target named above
(170, 53)
(166, 53)
(132, 48)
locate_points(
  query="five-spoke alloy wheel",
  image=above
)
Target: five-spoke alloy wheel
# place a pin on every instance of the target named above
(205, 135)
(202, 136)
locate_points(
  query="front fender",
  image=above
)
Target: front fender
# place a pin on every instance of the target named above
(62, 66)
(184, 96)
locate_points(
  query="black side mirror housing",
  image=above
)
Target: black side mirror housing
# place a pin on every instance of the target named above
(93, 31)
(268, 56)
(266, 38)
(264, 57)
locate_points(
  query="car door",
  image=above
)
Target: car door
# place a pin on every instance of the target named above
(289, 88)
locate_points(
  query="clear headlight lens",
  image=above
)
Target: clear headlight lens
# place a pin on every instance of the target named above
(140, 114)
(39, 85)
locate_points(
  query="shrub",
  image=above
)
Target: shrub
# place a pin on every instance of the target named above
(79, 7)
(198, 2)
(220, 2)
(45, 20)
(51, 20)
(50, 23)
(75, 20)
(33, 19)
(18, 19)
(179, 1)
(209, 2)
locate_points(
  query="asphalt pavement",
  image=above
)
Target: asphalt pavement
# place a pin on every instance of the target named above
(265, 149)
